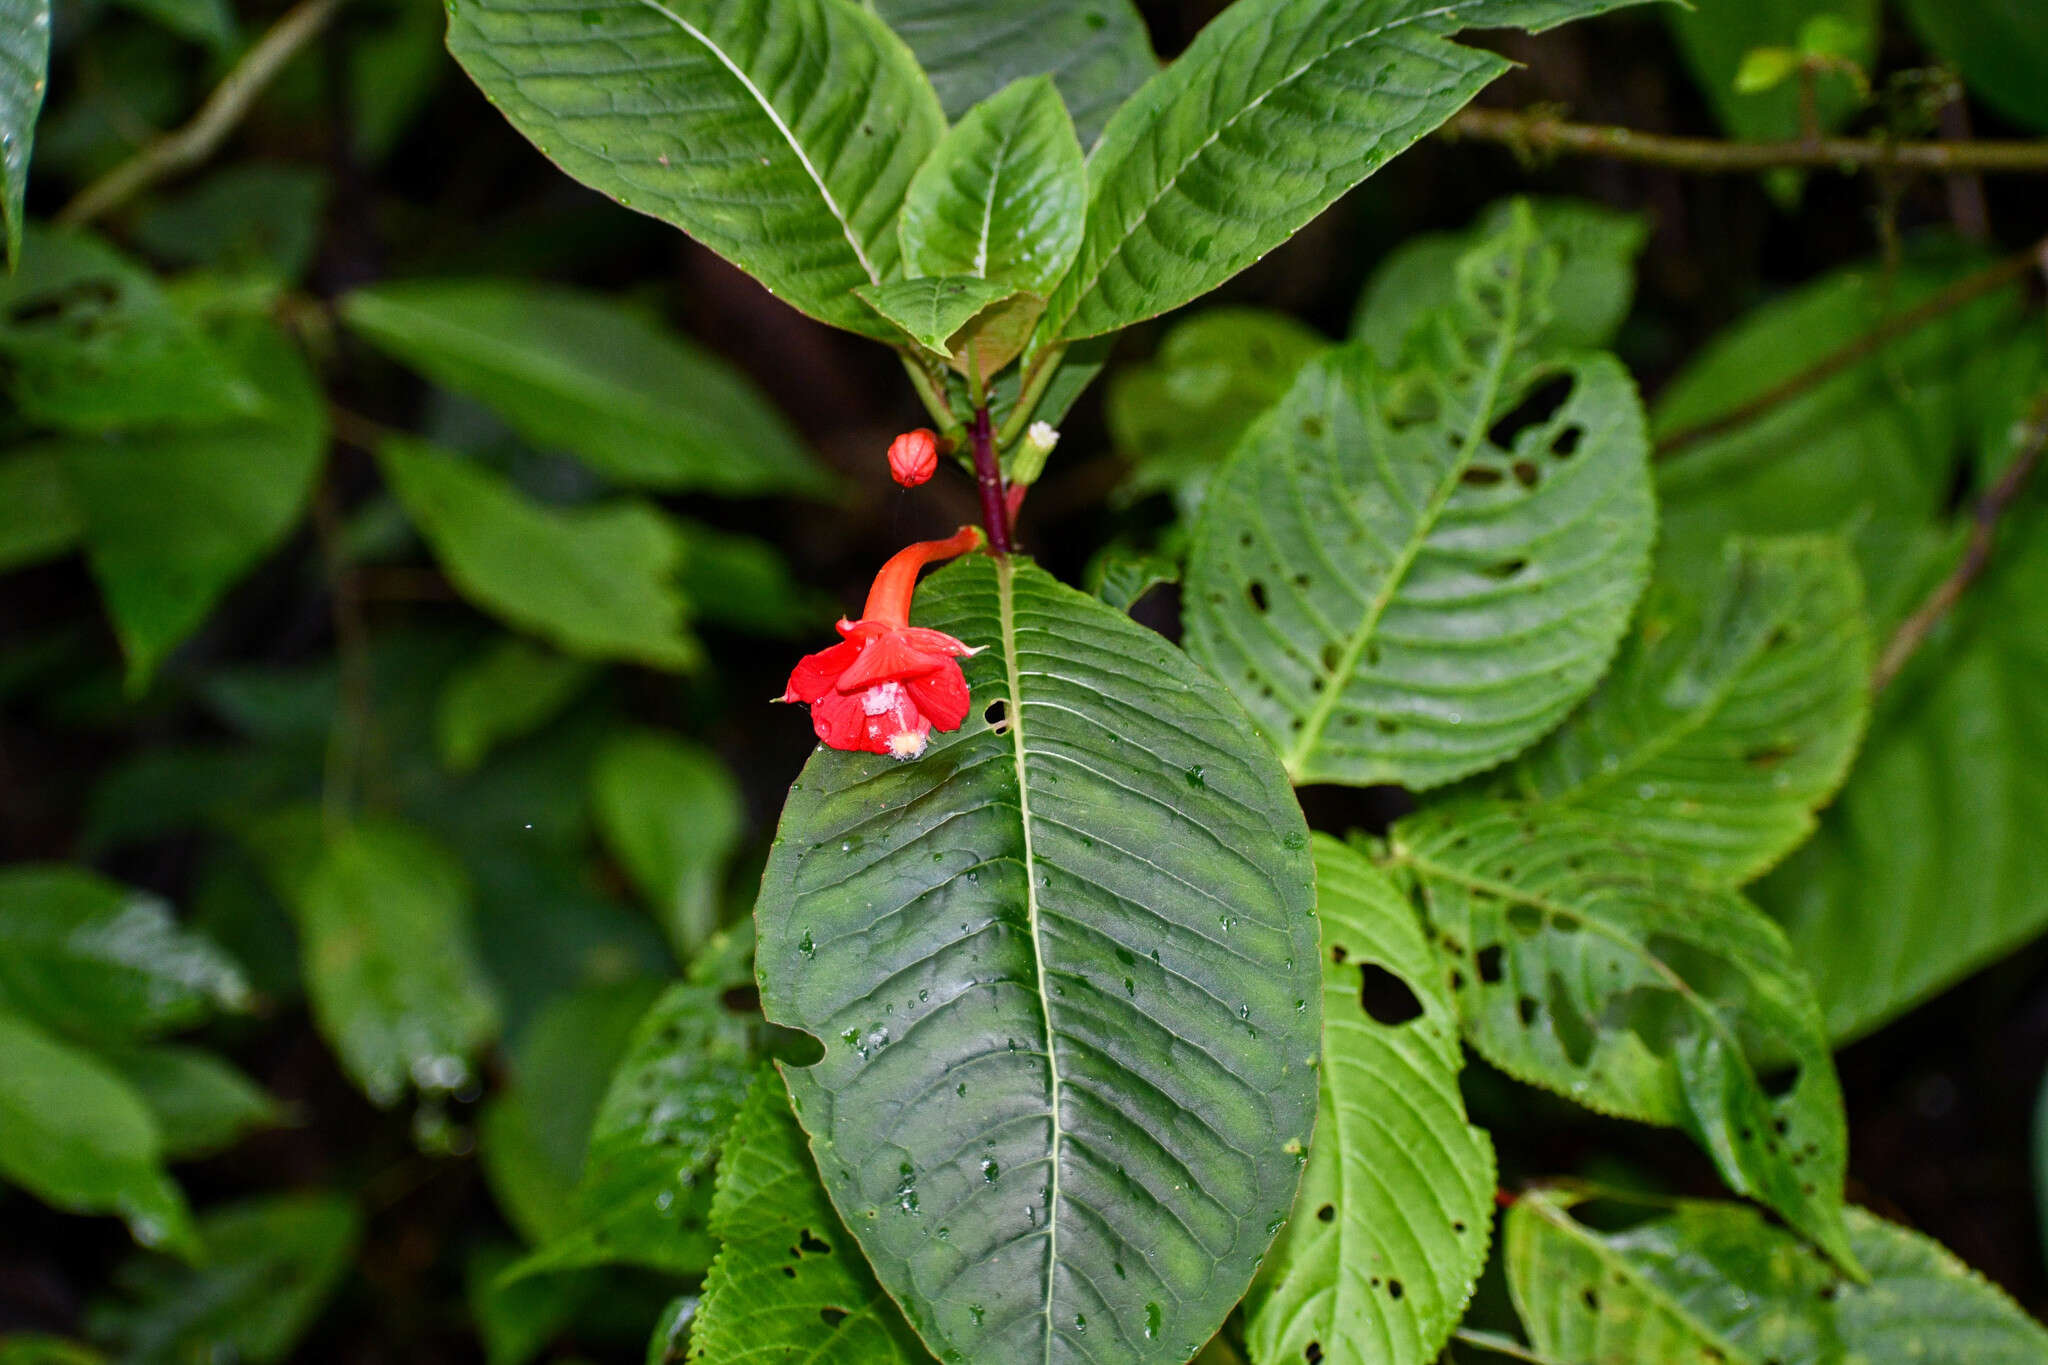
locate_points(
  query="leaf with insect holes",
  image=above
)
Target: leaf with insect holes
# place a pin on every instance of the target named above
(1390, 1230)
(1603, 968)
(782, 134)
(1276, 109)
(1378, 526)
(1064, 969)
(1731, 713)
(1709, 1281)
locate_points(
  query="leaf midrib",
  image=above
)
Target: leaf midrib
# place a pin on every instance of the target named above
(774, 116)
(1007, 615)
(1318, 718)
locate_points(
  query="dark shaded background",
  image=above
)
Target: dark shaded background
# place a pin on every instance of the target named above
(1939, 1103)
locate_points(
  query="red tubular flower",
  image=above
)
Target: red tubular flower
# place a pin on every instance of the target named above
(888, 684)
(914, 457)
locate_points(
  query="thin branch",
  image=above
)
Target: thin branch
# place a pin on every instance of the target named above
(1957, 295)
(1542, 132)
(1991, 509)
(224, 108)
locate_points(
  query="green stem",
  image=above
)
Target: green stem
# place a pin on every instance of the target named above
(1043, 368)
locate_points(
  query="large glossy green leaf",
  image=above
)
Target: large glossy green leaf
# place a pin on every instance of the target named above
(38, 519)
(1275, 109)
(1391, 1228)
(1097, 51)
(24, 76)
(1605, 970)
(780, 133)
(1999, 46)
(93, 343)
(1870, 452)
(789, 1280)
(1064, 968)
(173, 519)
(1596, 274)
(645, 1193)
(1002, 195)
(74, 1135)
(597, 581)
(1401, 576)
(1178, 415)
(390, 966)
(202, 1105)
(1714, 35)
(580, 372)
(1932, 863)
(1718, 1282)
(271, 1265)
(671, 814)
(97, 960)
(1731, 714)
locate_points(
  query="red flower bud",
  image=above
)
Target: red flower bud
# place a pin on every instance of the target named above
(914, 457)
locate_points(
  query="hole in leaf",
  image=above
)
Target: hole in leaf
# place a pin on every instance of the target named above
(1326, 1213)
(1333, 654)
(1574, 1034)
(1591, 1299)
(832, 1316)
(1526, 473)
(1534, 411)
(1339, 953)
(1525, 919)
(1312, 427)
(741, 999)
(1313, 1353)
(1481, 476)
(1395, 1289)
(1488, 963)
(1507, 568)
(997, 716)
(1566, 443)
(1255, 593)
(812, 1245)
(1385, 996)
(1387, 727)
(1526, 1006)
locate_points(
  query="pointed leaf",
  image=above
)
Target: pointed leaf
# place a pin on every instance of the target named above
(1604, 970)
(1731, 714)
(1717, 1282)
(1276, 109)
(930, 311)
(98, 961)
(1064, 968)
(779, 133)
(390, 966)
(74, 1135)
(1002, 195)
(1375, 528)
(789, 1279)
(24, 77)
(581, 372)
(1390, 1230)
(644, 1196)
(1120, 576)
(671, 813)
(506, 694)
(597, 581)
(173, 519)
(1097, 51)
(202, 1105)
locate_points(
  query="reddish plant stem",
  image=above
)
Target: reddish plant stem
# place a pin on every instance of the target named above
(988, 478)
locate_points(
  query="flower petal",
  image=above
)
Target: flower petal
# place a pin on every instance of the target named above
(816, 674)
(940, 695)
(842, 724)
(890, 658)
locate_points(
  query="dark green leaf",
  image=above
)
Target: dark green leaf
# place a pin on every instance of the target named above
(99, 961)
(507, 693)
(789, 1280)
(38, 519)
(1034, 953)
(92, 343)
(255, 217)
(1999, 46)
(204, 21)
(645, 1191)
(1376, 524)
(1718, 1282)
(1391, 1227)
(1002, 195)
(1178, 415)
(1276, 109)
(744, 584)
(581, 372)
(271, 1265)
(671, 814)
(173, 519)
(780, 133)
(74, 1135)
(1596, 274)
(390, 965)
(1097, 51)
(24, 77)
(1121, 576)
(1731, 713)
(1714, 36)
(518, 1318)
(598, 581)
(202, 1104)
(34, 1348)
(1603, 969)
